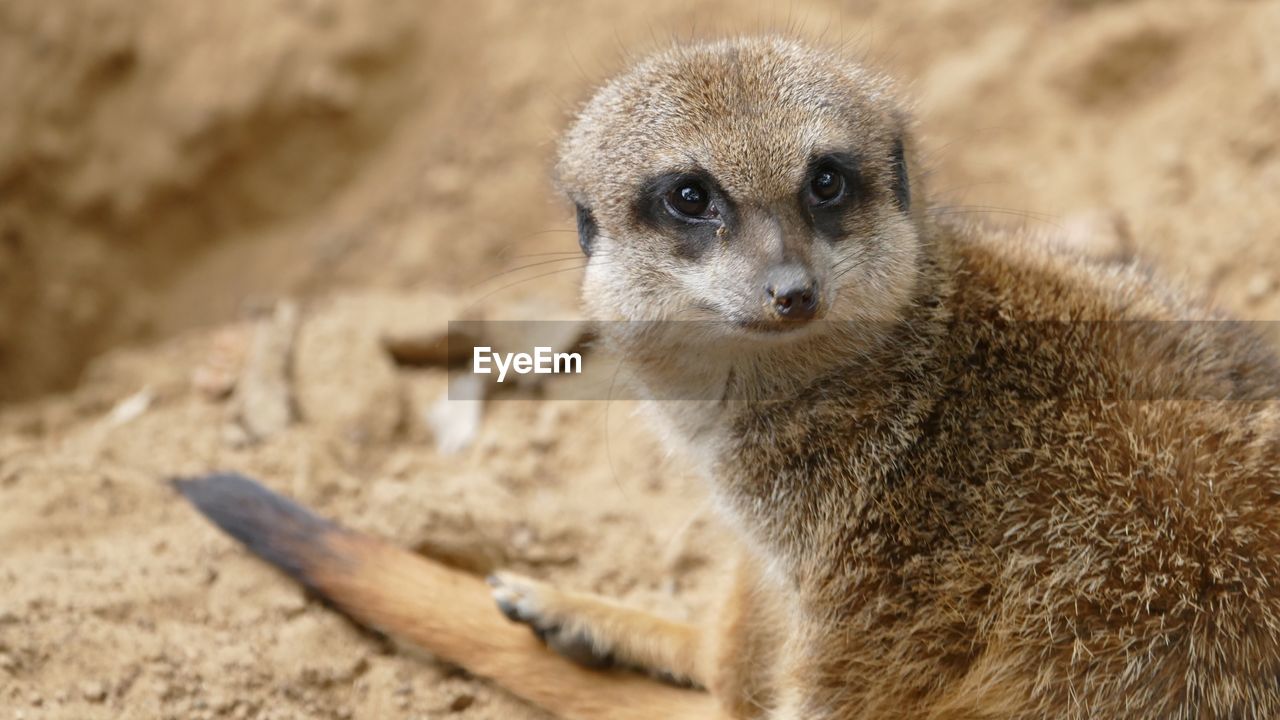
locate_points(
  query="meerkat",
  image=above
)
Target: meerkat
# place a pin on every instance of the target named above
(973, 474)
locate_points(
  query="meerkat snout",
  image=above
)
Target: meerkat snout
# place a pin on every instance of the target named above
(791, 292)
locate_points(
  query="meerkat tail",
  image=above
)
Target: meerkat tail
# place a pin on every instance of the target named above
(446, 612)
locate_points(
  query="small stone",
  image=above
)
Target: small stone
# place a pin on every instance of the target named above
(93, 691)
(213, 383)
(462, 702)
(289, 600)
(456, 416)
(1259, 286)
(130, 408)
(216, 375)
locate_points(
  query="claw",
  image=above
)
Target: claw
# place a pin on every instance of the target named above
(518, 601)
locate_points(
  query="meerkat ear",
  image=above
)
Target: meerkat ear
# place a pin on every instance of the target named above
(901, 184)
(586, 229)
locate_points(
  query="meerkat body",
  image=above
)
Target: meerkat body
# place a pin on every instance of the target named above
(973, 475)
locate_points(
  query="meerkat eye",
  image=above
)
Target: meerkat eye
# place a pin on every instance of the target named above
(901, 185)
(587, 229)
(826, 186)
(690, 199)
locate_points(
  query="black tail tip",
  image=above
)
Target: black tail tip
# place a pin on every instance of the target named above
(209, 490)
(274, 527)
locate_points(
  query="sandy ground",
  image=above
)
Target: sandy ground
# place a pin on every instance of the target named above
(169, 173)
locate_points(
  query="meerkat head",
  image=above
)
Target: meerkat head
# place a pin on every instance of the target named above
(755, 182)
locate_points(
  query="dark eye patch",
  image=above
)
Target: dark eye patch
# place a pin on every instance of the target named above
(901, 185)
(828, 218)
(587, 229)
(693, 235)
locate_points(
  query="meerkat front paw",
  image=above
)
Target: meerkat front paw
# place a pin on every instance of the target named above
(544, 610)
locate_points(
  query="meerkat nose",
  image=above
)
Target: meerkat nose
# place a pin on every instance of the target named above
(792, 293)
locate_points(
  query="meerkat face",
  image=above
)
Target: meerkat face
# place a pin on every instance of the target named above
(758, 183)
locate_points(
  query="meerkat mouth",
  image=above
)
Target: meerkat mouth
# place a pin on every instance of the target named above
(774, 327)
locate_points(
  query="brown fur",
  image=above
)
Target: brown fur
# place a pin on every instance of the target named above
(996, 480)
(1013, 486)
(440, 609)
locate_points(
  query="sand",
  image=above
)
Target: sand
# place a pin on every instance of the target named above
(170, 175)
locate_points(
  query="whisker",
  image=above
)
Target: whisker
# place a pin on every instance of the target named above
(543, 254)
(514, 244)
(932, 154)
(975, 210)
(504, 273)
(966, 187)
(1033, 213)
(575, 250)
(485, 296)
(854, 266)
(847, 264)
(992, 207)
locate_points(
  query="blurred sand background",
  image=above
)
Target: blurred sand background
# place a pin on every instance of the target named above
(169, 172)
